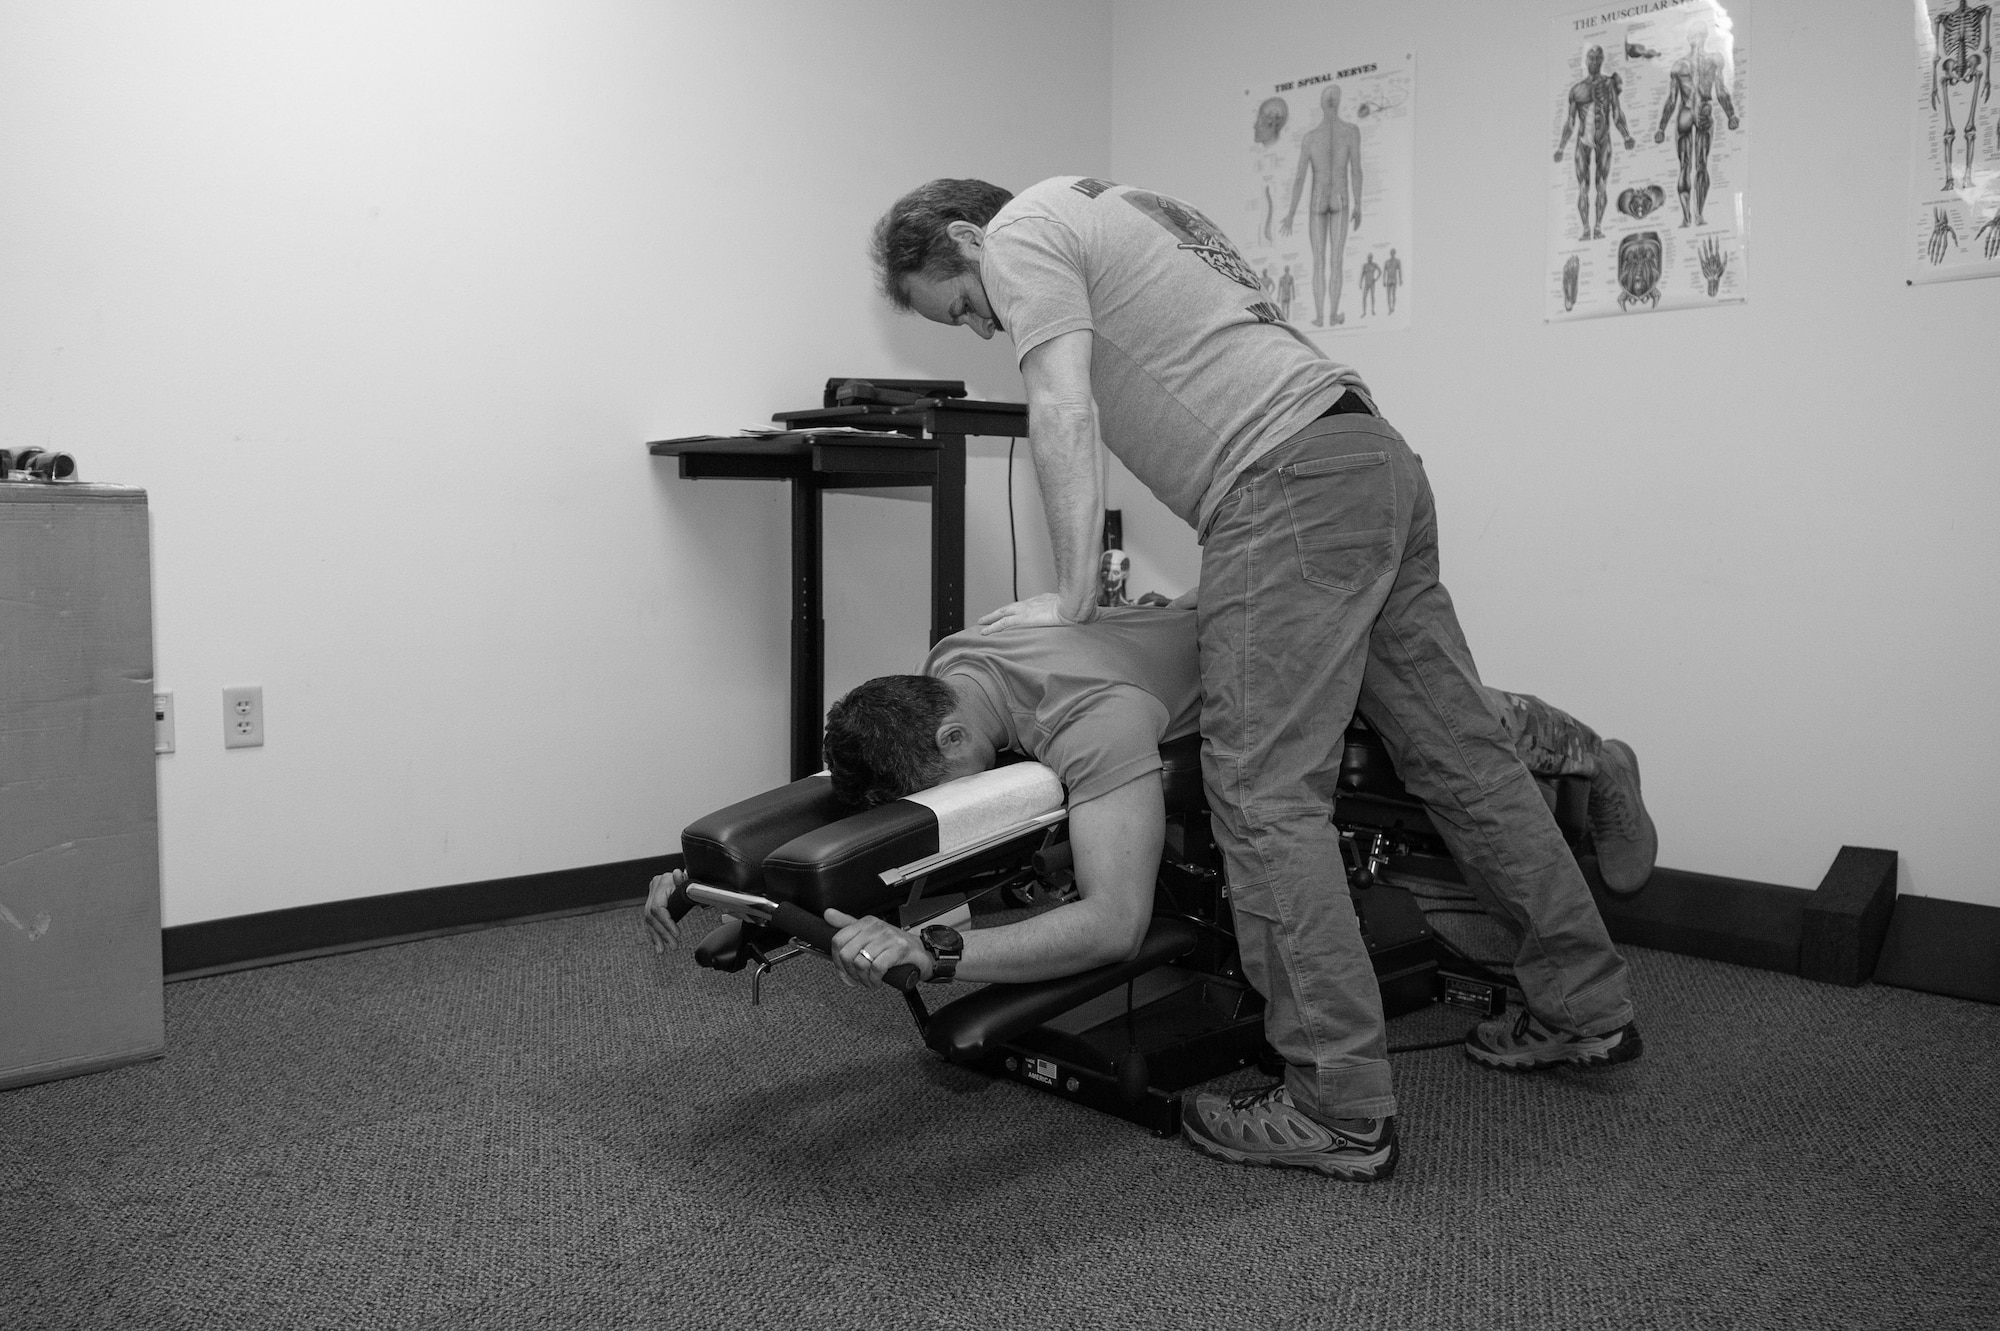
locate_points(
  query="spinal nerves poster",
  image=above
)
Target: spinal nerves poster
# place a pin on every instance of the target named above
(1954, 213)
(1649, 162)
(1326, 218)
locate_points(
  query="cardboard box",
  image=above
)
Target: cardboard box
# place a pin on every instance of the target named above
(80, 986)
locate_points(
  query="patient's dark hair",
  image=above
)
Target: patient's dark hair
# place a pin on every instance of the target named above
(881, 739)
(911, 237)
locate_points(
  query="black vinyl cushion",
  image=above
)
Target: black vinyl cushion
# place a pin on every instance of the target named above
(1180, 774)
(721, 949)
(1365, 769)
(968, 1028)
(728, 848)
(840, 863)
(798, 844)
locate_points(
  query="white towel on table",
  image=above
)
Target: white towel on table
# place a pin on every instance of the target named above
(973, 808)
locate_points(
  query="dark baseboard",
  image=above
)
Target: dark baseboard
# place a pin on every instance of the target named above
(190, 951)
(1943, 947)
(1695, 914)
(1850, 929)
(1832, 933)
(1702, 915)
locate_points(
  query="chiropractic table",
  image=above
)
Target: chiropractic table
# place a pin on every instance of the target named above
(1126, 1038)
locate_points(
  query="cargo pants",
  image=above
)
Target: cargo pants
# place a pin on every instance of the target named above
(1320, 596)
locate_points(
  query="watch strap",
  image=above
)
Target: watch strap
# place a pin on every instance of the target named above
(944, 956)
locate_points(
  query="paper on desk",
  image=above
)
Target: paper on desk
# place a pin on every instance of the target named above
(772, 432)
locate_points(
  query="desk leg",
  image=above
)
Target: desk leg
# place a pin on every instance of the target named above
(948, 538)
(808, 628)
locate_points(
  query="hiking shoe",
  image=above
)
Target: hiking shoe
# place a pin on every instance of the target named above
(1523, 1043)
(1264, 1127)
(1620, 827)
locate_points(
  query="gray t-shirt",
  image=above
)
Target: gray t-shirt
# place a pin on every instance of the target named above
(1195, 374)
(1093, 701)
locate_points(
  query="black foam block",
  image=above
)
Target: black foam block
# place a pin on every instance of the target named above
(1845, 920)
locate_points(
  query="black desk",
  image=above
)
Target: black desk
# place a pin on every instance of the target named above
(927, 448)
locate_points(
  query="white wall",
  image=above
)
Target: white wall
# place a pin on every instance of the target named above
(380, 302)
(1759, 542)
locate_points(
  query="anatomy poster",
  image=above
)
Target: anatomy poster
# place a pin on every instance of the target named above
(1954, 216)
(1326, 218)
(1649, 157)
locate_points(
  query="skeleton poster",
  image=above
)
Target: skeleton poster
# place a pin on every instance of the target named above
(1649, 161)
(1326, 215)
(1954, 214)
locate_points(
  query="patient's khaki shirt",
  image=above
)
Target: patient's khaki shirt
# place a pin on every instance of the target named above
(1093, 701)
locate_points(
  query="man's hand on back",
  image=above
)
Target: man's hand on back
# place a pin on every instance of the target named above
(1036, 612)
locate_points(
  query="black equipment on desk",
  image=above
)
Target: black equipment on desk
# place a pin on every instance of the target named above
(38, 464)
(891, 392)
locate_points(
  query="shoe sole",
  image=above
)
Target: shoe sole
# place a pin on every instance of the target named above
(1367, 1173)
(1590, 1059)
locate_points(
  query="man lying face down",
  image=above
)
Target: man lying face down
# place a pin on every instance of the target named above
(1094, 702)
(1094, 705)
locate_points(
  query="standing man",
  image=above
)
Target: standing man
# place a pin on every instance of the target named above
(1138, 326)
(1392, 277)
(1331, 152)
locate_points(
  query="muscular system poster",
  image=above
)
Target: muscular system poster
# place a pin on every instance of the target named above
(1954, 213)
(1326, 216)
(1649, 163)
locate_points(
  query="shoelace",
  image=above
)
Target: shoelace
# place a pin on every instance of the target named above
(1256, 1099)
(1612, 815)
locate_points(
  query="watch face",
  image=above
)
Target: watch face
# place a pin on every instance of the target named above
(942, 940)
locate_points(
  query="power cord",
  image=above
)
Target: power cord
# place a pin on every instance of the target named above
(1013, 548)
(1452, 1043)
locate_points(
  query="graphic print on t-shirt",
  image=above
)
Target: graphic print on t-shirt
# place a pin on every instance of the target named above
(1197, 234)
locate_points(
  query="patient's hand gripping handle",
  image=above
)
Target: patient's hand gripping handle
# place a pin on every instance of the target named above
(679, 903)
(818, 934)
(808, 928)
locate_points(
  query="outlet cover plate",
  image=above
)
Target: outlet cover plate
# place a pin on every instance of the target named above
(163, 723)
(243, 716)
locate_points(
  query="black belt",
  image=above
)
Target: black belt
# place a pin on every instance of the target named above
(1349, 403)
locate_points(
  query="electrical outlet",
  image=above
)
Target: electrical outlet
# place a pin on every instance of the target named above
(243, 716)
(163, 723)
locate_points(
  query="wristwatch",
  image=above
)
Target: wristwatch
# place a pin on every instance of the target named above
(946, 947)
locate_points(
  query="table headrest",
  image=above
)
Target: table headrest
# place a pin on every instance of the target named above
(727, 848)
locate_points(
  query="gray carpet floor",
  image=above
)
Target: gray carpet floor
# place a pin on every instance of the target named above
(547, 1126)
